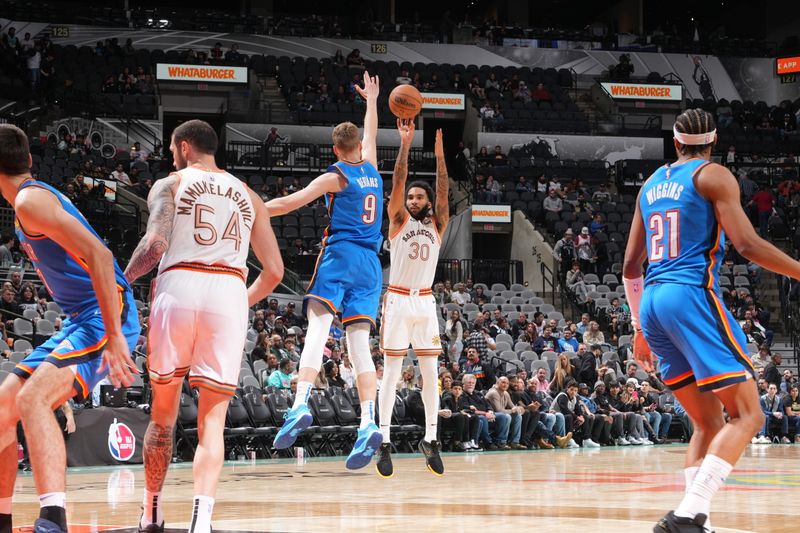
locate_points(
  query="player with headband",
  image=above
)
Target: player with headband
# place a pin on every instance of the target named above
(684, 213)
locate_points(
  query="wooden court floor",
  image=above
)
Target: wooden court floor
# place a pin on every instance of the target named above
(610, 489)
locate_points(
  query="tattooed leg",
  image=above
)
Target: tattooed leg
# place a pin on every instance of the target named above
(158, 448)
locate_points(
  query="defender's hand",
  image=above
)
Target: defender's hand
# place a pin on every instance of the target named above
(438, 146)
(117, 358)
(371, 87)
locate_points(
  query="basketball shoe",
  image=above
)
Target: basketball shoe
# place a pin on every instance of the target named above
(384, 465)
(296, 420)
(368, 441)
(678, 524)
(432, 458)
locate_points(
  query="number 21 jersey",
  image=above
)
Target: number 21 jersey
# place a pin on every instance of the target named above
(685, 242)
(213, 219)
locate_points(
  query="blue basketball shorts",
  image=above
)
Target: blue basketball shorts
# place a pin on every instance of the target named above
(695, 337)
(79, 344)
(347, 279)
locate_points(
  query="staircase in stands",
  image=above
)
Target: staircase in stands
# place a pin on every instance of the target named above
(273, 100)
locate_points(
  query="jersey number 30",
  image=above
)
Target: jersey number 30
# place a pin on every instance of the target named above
(665, 228)
(206, 234)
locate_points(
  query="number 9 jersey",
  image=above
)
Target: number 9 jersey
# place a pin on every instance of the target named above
(348, 277)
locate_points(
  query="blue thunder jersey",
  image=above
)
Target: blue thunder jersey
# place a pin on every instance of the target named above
(685, 243)
(65, 276)
(357, 211)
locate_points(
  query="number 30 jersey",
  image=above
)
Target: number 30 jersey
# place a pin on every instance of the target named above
(356, 212)
(685, 242)
(213, 218)
(414, 254)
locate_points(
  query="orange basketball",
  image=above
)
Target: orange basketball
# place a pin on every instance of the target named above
(405, 102)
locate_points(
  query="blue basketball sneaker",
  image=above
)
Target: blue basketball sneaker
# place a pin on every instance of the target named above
(368, 441)
(296, 420)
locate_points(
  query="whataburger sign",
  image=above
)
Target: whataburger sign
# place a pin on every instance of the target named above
(200, 73)
(642, 91)
(453, 102)
(497, 214)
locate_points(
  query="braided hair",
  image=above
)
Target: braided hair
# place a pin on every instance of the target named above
(695, 122)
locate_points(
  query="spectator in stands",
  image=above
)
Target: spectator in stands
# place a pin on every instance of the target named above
(588, 363)
(529, 335)
(475, 403)
(508, 427)
(6, 258)
(282, 378)
(541, 94)
(522, 93)
(453, 418)
(216, 53)
(354, 59)
(787, 127)
(523, 186)
(620, 319)
(583, 245)
(499, 159)
(567, 343)
(492, 84)
(567, 403)
(575, 283)
(500, 327)
(601, 195)
(545, 342)
(338, 59)
(520, 325)
(788, 381)
(476, 89)
(791, 403)
(540, 382)
(27, 297)
(143, 187)
(752, 333)
(9, 308)
(761, 358)
(552, 202)
(771, 373)
(763, 201)
(583, 326)
(774, 412)
(476, 366)
(659, 422)
(492, 191)
(12, 39)
(598, 420)
(120, 175)
(261, 350)
(33, 61)
(747, 186)
(347, 373)
(597, 224)
(563, 374)
(593, 335)
(460, 296)
(233, 55)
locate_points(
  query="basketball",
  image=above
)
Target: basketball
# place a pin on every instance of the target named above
(405, 102)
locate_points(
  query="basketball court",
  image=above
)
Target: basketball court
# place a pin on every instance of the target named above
(622, 489)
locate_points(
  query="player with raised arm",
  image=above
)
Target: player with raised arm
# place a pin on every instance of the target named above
(409, 309)
(684, 213)
(96, 339)
(202, 223)
(347, 277)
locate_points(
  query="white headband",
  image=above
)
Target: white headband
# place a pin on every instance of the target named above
(694, 139)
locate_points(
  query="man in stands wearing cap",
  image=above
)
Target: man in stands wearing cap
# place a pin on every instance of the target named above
(614, 418)
(538, 434)
(290, 318)
(564, 251)
(575, 416)
(277, 348)
(481, 370)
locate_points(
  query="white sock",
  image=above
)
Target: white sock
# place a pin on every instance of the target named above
(688, 475)
(303, 392)
(5, 505)
(709, 479)
(367, 413)
(151, 509)
(201, 514)
(428, 367)
(53, 499)
(392, 368)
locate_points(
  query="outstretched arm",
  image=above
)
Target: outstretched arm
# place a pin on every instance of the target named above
(155, 242)
(369, 148)
(442, 186)
(397, 204)
(265, 246)
(717, 184)
(326, 183)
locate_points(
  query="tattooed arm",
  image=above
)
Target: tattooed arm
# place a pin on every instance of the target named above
(397, 201)
(159, 229)
(442, 186)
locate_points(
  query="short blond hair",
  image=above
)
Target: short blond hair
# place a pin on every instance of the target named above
(345, 136)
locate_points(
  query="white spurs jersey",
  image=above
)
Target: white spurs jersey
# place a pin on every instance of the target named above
(213, 219)
(414, 251)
